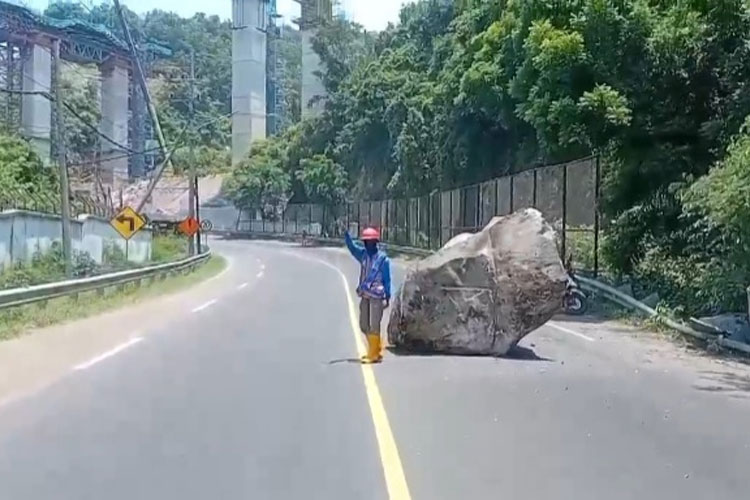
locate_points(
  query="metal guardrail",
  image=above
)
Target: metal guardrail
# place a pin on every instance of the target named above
(38, 293)
(629, 302)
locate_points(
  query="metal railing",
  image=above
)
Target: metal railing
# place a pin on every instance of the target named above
(567, 194)
(39, 293)
(628, 302)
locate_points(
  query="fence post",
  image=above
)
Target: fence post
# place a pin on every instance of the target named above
(323, 222)
(408, 221)
(283, 219)
(450, 215)
(497, 198)
(597, 221)
(512, 193)
(477, 215)
(463, 194)
(429, 221)
(440, 215)
(386, 228)
(564, 212)
(418, 220)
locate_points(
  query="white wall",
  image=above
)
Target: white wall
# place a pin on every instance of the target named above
(23, 233)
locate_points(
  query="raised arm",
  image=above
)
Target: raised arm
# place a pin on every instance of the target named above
(357, 251)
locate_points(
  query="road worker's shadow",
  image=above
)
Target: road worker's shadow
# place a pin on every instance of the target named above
(345, 360)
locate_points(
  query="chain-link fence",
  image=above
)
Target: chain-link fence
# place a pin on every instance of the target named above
(567, 194)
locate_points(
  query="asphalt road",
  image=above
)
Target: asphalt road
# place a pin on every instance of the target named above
(252, 394)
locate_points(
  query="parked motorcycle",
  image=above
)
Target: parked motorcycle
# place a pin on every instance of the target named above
(575, 301)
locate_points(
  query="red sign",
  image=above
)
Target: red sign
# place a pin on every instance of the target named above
(189, 226)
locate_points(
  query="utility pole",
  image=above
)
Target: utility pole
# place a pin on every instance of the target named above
(197, 214)
(61, 162)
(149, 104)
(193, 180)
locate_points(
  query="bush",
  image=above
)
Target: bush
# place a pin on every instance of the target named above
(168, 247)
(46, 267)
(113, 256)
(693, 284)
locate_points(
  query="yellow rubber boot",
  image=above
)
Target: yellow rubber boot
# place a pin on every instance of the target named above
(377, 349)
(373, 349)
(366, 358)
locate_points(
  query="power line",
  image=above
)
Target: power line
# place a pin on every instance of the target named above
(73, 112)
(113, 158)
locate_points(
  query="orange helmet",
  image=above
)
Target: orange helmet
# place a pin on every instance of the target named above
(370, 234)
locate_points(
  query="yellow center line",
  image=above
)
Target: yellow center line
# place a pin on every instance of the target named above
(395, 480)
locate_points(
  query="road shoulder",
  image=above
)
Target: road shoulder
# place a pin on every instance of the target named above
(42, 355)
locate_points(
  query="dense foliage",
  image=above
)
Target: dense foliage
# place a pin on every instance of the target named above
(23, 177)
(461, 91)
(260, 182)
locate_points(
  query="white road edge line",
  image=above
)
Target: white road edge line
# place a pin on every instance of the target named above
(205, 306)
(572, 332)
(243, 285)
(259, 275)
(262, 267)
(108, 354)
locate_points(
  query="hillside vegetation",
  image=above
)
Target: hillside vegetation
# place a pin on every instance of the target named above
(459, 92)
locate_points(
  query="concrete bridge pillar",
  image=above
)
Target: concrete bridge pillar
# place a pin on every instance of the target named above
(114, 121)
(313, 91)
(36, 110)
(249, 20)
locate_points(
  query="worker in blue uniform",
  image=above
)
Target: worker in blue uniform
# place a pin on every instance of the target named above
(374, 289)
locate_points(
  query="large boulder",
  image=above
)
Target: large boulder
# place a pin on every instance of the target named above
(482, 293)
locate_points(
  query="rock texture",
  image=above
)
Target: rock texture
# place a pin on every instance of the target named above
(482, 293)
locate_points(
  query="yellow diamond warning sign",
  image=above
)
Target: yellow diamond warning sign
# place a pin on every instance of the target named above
(127, 222)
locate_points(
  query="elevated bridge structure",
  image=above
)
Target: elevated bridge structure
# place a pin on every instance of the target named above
(26, 65)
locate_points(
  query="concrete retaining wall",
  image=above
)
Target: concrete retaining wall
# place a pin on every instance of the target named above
(24, 233)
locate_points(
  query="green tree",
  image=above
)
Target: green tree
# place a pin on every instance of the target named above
(24, 179)
(259, 182)
(323, 180)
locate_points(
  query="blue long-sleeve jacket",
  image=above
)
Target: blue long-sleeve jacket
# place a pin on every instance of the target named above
(358, 252)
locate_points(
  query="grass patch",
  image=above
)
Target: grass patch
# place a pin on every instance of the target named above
(168, 247)
(14, 322)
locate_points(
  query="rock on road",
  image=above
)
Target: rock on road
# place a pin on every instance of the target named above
(246, 388)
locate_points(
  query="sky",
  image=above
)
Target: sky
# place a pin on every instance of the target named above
(372, 14)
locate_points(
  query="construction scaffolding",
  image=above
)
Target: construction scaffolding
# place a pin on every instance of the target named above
(277, 119)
